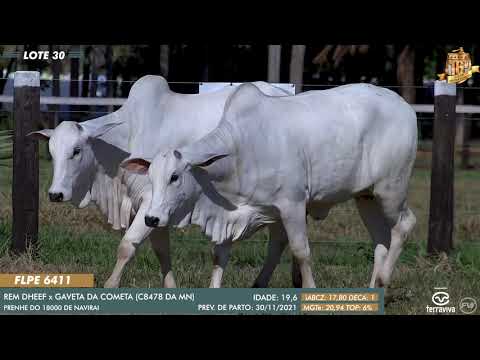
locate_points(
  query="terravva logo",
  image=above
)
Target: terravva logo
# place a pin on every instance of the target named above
(440, 298)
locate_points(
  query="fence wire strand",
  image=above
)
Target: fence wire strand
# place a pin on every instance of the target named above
(231, 82)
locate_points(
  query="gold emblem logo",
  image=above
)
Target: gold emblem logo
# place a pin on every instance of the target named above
(458, 67)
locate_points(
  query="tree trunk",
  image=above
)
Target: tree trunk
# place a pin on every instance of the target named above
(94, 77)
(86, 72)
(10, 68)
(296, 66)
(74, 73)
(53, 117)
(406, 73)
(460, 119)
(97, 56)
(164, 60)
(205, 70)
(56, 71)
(74, 84)
(465, 164)
(19, 62)
(463, 130)
(274, 57)
(31, 65)
(109, 73)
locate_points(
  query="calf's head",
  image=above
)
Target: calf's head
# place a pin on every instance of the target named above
(73, 160)
(175, 184)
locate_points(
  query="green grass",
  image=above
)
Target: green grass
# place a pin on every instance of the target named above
(73, 240)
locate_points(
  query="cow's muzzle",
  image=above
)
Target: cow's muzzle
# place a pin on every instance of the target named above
(151, 221)
(55, 197)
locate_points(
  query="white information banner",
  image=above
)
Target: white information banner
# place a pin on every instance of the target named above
(216, 86)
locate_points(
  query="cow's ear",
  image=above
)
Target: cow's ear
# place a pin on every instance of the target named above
(136, 165)
(201, 160)
(44, 134)
(95, 132)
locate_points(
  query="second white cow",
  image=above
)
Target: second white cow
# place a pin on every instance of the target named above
(272, 160)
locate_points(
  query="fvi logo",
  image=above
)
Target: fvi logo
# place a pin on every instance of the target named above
(441, 298)
(468, 305)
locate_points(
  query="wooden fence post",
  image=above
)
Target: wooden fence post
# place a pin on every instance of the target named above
(26, 107)
(440, 227)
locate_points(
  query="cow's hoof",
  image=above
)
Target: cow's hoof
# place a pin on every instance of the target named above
(297, 279)
(110, 285)
(259, 285)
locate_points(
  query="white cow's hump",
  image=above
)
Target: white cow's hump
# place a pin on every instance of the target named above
(147, 85)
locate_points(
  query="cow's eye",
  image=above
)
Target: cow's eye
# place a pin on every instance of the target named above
(174, 178)
(76, 151)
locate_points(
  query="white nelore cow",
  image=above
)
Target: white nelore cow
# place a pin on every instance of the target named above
(273, 160)
(86, 158)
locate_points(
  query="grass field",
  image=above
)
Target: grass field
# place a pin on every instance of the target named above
(73, 240)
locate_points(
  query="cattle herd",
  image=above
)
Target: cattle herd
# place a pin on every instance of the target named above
(236, 160)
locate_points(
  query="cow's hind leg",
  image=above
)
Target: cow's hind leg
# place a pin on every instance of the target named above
(296, 273)
(391, 195)
(377, 225)
(400, 231)
(276, 245)
(160, 240)
(133, 238)
(294, 220)
(318, 213)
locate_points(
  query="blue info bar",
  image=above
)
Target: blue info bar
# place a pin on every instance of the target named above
(191, 301)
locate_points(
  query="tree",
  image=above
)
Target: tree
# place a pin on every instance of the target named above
(409, 69)
(86, 71)
(74, 73)
(296, 66)
(335, 58)
(97, 61)
(109, 73)
(206, 64)
(9, 68)
(274, 57)
(164, 60)
(56, 71)
(406, 73)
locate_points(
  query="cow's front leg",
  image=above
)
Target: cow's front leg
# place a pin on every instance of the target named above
(133, 238)
(221, 254)
(160, 240)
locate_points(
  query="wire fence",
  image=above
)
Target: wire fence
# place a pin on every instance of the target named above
(428, 84)
(95, 104)
(85, 107)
